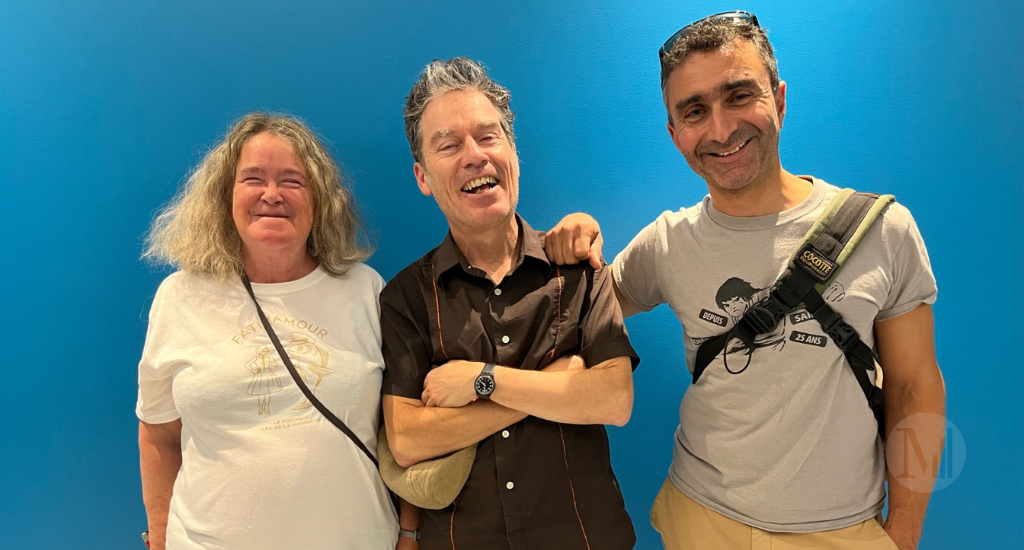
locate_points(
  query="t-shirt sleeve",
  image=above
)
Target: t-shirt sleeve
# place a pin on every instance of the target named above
(913, 282)
(405, 343)
(155, 403)
(634, 269)
(603, 332)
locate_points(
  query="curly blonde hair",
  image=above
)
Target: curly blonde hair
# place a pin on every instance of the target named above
(195, 231)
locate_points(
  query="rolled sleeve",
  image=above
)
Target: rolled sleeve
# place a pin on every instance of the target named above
(635, 269)
(405, 346)
(603, 333)
(913, 281)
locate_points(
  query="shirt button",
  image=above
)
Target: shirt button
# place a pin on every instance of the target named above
(504, 433)
(504, 339)
(497, 292)
(510, 485)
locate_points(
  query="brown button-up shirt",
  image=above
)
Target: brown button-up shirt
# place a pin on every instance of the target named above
(537, 484)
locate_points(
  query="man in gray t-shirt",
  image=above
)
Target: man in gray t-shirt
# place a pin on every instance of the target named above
(777, 446)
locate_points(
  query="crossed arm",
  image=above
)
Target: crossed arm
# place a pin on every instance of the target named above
(448, 417)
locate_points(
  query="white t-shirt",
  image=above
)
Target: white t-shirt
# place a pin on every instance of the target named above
(781, 436)
(261, 468)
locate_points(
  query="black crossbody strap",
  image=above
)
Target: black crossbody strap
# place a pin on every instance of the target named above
(860, 357)
(298, 379)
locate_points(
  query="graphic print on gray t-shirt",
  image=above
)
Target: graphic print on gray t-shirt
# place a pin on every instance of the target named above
(736, 296)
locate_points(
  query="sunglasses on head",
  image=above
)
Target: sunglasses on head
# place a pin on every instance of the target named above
(735, 16)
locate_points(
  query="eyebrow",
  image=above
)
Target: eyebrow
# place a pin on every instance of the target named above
(257, 171)
(445, 132)
(723, 89)
(441, 134)
(292, 172)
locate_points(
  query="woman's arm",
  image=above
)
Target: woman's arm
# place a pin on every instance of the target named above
(408, 519)
(159, 461)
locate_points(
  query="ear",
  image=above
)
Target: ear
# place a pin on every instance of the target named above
(421, 179)
(672, 134)
(780, 102)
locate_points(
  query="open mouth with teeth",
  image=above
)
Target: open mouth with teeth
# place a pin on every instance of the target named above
(731, 151)
(479, 185)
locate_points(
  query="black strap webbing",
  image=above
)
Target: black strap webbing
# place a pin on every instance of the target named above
(302, 385)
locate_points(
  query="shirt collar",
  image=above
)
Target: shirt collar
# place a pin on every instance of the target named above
(531, 245)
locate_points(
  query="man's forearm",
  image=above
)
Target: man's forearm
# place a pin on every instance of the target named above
(602, 394)
(908, 503)
(417, 433)
(915, 400)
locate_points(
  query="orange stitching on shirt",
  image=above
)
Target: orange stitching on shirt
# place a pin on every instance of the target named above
(565, 456)
(437, 307)
(452, 528)
(558, 313)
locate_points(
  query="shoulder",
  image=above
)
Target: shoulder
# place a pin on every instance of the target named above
(668, 226)
(894, 222)
(898, 218)
(670, 219)
(184, 295)
(187, 284)
(360, 275)
(407, 285)
(893, 226)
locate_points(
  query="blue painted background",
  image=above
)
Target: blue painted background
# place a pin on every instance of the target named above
(105, 107)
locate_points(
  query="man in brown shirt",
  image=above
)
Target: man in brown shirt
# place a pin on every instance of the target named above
(512, 334)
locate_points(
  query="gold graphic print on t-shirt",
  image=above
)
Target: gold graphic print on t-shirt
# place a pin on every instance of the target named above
(265, 380)
(310, 361)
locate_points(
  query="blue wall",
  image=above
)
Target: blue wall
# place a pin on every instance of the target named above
(104, 107)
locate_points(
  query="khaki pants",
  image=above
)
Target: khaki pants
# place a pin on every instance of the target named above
(686, 525)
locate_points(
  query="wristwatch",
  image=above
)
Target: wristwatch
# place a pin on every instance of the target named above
(484, 384)
(414, 535)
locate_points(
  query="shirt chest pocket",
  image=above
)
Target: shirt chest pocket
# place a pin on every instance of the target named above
(510, 325)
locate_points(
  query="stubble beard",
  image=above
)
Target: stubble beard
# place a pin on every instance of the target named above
(746, 183)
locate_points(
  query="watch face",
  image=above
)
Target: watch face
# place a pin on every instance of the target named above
(484, 385)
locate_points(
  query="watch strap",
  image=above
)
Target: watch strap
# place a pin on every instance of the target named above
(414, 535)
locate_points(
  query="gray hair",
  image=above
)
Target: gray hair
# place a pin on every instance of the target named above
(196, 232)
(443, 76)
(716, 34)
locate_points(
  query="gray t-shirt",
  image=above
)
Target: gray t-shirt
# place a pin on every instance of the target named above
(780, 437)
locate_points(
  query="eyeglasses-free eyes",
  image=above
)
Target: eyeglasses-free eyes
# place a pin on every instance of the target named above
(736, 16)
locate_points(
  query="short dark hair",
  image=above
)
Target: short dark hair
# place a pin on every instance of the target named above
(732, 289)
(715, 34)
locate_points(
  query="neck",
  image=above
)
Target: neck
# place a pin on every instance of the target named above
(779, 191)
(493, 250)
(278, 266)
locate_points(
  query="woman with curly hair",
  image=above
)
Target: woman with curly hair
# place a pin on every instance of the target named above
(223, 465)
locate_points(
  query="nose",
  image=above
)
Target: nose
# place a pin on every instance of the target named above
(473, 155)
(721, 126)
(272, 193)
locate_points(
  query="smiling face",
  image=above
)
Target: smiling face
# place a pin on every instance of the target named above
(469, 164)
(272, 203)
(725, 118)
